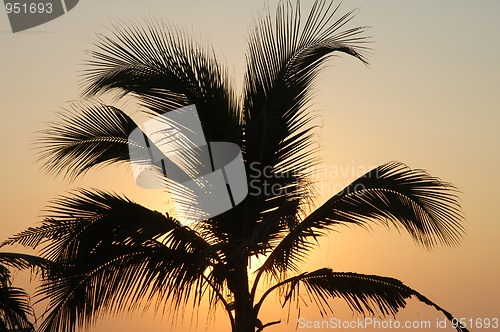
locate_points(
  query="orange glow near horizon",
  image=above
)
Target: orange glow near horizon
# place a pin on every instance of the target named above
(429, 98)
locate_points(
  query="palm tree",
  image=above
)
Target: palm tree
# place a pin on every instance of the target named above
(110, 254)
(15, 309)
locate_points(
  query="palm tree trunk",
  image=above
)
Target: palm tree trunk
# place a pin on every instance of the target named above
(243, 313)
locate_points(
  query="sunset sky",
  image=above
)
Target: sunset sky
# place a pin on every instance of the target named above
(430, 98)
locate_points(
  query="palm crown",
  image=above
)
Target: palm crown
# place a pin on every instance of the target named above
(110, 254)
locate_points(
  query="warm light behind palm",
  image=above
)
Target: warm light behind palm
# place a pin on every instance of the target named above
(111, 254)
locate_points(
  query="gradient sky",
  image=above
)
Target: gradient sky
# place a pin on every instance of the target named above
(429, 98)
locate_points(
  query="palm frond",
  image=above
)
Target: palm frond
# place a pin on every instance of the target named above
(365, 294)
(162, 66)
(284, 59)
(22, 261)
(87, 135)
(15, 309)
(283, 62)
(391, 194)
(84, 216)
(117, 278)
(109, 254)
(16, 312)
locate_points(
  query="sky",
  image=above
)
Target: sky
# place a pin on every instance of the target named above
(429, 98)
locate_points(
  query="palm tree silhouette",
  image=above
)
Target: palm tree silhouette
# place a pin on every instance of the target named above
(15, 309)
(110, 254)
